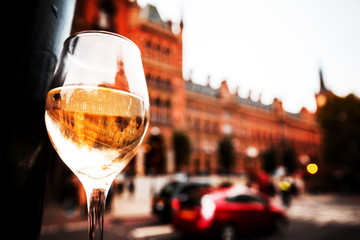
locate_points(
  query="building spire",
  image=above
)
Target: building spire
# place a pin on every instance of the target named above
(324, 93)
(322, 84)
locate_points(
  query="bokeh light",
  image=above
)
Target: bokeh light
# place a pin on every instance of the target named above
(312, 168)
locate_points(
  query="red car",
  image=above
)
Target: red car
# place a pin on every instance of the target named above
(227, 213)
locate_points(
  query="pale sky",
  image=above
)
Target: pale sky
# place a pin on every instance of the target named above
(273, 47)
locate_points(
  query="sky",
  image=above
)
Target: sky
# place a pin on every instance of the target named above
(274, 48)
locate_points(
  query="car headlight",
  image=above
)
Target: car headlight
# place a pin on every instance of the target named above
(207, 207)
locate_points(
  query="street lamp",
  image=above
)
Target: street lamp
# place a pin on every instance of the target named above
(312, 168)
(252, 152)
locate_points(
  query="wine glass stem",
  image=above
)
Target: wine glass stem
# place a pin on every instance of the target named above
(96, 209)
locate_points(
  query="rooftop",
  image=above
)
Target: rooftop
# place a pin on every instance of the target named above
(206, 90)
(209, 91)
(151, 13)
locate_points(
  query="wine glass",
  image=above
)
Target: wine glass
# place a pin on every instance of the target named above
(97, 112)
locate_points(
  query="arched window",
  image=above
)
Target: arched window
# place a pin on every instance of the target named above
(168, 104)
(158, 102)
(167, 83)
(105, 17)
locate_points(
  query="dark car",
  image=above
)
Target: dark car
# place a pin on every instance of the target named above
(229, 212)
(174, 194)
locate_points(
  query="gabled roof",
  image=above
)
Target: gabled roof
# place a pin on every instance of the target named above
(150, 13)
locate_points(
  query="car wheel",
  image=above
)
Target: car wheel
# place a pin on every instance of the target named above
(228, 232)
(281, 226)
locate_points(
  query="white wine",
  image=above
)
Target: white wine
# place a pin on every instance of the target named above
(95, 130)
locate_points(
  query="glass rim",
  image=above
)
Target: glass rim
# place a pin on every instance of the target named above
(101, 33)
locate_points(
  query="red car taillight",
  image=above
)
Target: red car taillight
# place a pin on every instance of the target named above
(175, 204)
(207, 207)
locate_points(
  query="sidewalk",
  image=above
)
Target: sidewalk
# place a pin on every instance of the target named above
(125, 206)
(326, 209)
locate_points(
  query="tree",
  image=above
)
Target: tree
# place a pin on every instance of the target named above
(226, 155)
(269, 159)
(289, 158)
(182, 149)
(286, 155)
(339, 119)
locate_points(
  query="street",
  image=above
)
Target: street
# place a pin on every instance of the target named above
(149, 228)
(311, 217)
(323, 216)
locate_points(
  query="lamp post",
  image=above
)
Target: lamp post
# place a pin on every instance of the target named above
(252, 152)
(251, 165)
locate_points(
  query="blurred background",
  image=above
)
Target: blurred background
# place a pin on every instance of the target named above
(262, 94)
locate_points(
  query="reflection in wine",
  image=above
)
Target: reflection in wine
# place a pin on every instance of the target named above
(95, 130)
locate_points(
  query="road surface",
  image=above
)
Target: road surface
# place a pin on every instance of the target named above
(149, 228)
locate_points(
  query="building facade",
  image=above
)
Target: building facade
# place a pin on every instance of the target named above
(253, 126)
(205, 114)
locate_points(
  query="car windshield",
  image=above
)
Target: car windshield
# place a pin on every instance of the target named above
(168, 189)
(244, 198)
(191, 194)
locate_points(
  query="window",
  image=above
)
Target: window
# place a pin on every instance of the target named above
(197, 124)
(153, 116)
(215, 128)
(191, 194)
(157, 102)
(167, 51)
(103, 19)
(243, 198)
(167, 83)
(148, 49)
(206, 125)
(168, 189)
(158, 81)
(168, 104)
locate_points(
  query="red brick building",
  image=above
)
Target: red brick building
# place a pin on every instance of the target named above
(204, 113)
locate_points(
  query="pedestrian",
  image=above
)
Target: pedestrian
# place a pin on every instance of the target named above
(285, 191)
(131, 187)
